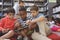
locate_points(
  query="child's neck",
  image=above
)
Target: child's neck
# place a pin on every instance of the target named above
(11, 18)
(35, 16)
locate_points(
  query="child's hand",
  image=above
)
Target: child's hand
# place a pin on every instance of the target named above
(28, 21)
(4, 30)
(17, 24)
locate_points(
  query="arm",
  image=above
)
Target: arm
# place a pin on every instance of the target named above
(8, 35)
(39, 19)
(1, 24)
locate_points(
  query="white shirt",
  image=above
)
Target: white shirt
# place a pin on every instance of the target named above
(16, 8)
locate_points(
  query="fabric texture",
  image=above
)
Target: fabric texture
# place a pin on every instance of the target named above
(37, 36)
(43, 27)
(43, 30)
(54, 37)
(7, 23)
(55, 28)
(16, 8)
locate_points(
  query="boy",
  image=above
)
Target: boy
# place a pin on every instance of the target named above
(40, 20)
(22, 20)
(24, 17)
(7, 24)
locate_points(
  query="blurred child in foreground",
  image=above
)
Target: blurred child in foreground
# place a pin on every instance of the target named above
(7, 24)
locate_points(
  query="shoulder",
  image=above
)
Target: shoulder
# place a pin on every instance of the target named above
(40, 15)
(16, 6)
(19, 20)
(4, 18)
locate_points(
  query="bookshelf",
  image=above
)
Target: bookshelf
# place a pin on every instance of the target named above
(1, 7)
(56, 11)
(5, 4)
(39, 3)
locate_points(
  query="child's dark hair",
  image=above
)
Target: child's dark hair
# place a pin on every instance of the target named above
(22, 9)
(21, 2)
(34, 7)
(57, 20)
(10, 10)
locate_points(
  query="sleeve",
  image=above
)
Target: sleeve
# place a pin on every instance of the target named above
(39, 18)
(41, 15)
(1, 24)
(16, 8)
(54, 28)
